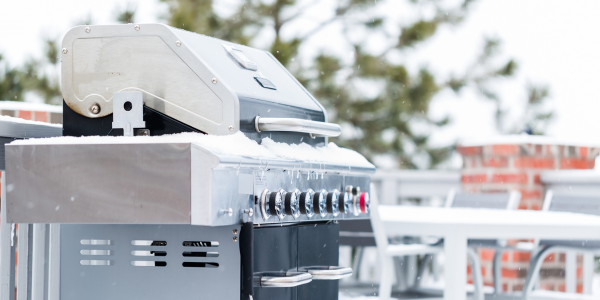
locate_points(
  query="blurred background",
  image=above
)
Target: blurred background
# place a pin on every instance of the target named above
(416, 84)
(407, 79)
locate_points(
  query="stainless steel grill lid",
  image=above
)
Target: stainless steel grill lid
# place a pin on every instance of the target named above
(198, 80)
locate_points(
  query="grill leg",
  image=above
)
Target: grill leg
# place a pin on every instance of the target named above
(54, 263)
(7, 251)
(38, 262)
(23, 268)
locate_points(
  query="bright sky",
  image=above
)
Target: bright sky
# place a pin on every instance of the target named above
(555, 43)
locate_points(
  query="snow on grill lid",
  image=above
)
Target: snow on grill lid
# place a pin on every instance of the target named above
(235, 145)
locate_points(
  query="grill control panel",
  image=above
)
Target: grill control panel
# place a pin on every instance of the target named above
(321, 204)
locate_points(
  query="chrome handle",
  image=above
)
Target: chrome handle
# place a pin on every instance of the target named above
(290, 279)
(297, 125)
(328, 273)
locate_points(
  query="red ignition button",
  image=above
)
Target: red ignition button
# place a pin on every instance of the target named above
(365, 202)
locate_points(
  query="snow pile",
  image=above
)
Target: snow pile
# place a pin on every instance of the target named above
(304, 152)
(29, 106)
(23, 121)
(236, 144)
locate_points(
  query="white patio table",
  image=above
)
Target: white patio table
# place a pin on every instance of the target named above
(456, 225)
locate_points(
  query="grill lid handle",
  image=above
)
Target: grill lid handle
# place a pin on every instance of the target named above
(297, 125)
(328, 272)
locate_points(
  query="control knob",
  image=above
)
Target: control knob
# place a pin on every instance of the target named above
(332, 203)
(345, 202)
(319, 203)
(292, 204)
(306, 203)
(364, 203)
(271, 204)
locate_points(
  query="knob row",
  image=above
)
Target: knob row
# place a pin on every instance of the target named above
(295, 203)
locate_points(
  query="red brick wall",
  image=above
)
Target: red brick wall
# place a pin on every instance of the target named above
(41, 116)
(504, 167)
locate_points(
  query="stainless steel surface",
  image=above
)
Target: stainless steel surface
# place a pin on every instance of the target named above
(217, 278)
(297, 125)
(99, 183)
(176, 183)
(23, 268)
(115, 58)
(17, 129)
(128, 111)
(291, 279)
(239, 56)
(173, 69)
(38, 262)
(329, 273)
(54, 262)
(7, 248)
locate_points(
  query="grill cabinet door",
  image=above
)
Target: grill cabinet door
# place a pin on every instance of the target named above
(318, 246)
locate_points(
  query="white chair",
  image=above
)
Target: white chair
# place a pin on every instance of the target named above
(387, 252)
(542, 248)
(471, 200)
(509, 201)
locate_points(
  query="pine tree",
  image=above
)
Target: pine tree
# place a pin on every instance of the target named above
(11, 86)
(381, 125)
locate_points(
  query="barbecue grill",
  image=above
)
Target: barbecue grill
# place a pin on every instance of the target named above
(190, 167)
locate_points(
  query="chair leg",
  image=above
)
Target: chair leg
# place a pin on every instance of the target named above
(476, 271)
(535, 265)
(424, 263)
(385, 278)
(357, 262)
(400, 268)
(435, 267)
(571, 272)
(588, 272)
(497, 271)
(410, 263)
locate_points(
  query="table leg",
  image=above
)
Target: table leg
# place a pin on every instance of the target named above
(588, 272)
(571, 272)
(455, 269)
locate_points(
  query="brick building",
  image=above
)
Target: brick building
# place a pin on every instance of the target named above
(32, 111)
(515, 163)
